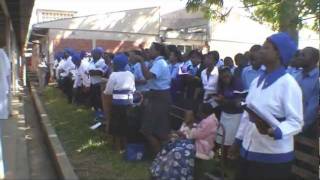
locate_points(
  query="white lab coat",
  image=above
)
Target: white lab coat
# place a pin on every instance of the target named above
(5, 70)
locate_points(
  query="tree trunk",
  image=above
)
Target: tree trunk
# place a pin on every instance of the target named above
(288, 18)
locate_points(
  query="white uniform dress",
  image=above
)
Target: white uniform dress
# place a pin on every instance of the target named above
(210, 85)
(67, 65)
(278, 97)
(99, 65)
(82, 77)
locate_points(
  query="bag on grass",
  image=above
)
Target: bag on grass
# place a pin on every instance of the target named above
(134, 152)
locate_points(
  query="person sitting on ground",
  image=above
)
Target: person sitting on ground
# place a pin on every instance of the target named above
(119, 90)
(187, 125)
(176, 160)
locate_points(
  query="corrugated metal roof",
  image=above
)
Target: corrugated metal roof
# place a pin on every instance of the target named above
(143, 21)
(182, 19)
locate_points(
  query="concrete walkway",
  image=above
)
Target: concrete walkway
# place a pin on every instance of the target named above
(14, 142)
(24, 152)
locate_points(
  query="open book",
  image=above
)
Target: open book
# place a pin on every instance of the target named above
(262, 114)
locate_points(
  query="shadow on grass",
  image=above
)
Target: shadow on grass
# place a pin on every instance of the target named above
(89, 151)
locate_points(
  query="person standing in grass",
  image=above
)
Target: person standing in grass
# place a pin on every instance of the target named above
(81, 83)
(156, 125)
(96, 68)
(119, 89)
(192, 143)
(65, 77)
(265, 141)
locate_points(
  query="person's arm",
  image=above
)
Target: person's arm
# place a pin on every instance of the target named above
(138, 74)
(146, 73)
(293, 110)
(311, 110)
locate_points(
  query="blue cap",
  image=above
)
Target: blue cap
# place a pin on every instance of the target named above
(120, 62)
(286, 46)
(76, 57)
(98, 50)
(70, 51)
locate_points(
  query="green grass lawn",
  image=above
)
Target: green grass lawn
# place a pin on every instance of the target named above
(89, 151)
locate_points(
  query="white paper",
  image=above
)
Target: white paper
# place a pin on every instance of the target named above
(95, 126)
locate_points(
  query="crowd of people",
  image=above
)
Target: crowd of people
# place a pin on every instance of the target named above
(263, 98)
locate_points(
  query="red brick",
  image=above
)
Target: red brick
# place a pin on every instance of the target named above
(77, 44)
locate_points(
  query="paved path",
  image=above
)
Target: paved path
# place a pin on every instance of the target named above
(23, 152)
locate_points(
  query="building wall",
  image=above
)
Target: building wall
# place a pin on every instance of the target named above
(116, 46)
(86, 40)
(77, 44)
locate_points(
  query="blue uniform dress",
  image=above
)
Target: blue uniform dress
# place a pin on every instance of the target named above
(156, 120)
(175, 83)
(309, 84)
(248, 75)
(138, 75)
